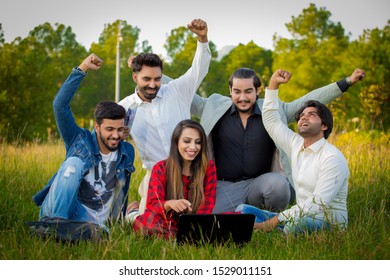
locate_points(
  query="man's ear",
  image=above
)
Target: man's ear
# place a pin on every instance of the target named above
(97, 127)
(134, 75)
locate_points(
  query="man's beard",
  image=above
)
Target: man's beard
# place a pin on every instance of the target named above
(145, 94)
(308, 131)
(244, 110)
(105, 142)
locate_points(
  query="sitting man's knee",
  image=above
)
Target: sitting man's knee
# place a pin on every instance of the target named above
(271, 192)
(71, 166)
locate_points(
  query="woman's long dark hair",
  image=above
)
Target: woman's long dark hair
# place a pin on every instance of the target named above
(198, 167)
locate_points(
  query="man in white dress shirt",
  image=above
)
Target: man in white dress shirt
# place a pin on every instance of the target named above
(319, 170)
(155, 109)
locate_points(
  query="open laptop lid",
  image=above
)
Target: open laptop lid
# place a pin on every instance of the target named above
(215, 228)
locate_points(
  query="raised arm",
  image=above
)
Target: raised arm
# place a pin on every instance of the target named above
(61, 105)
(278, 131)
(186, 85)
(324, 94)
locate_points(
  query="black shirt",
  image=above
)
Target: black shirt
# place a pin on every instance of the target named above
(241, 153)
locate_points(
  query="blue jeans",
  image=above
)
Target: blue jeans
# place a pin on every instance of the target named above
(301, 225)
(61, 201)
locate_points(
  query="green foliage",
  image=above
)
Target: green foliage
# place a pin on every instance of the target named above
(100, 85)
(27, 168)
(118, 30)
(32, 71)
(315, 23)
(249, 56)
(313, 54)
(181, 47)
(176, 41)
(320, 53)
(369, 100)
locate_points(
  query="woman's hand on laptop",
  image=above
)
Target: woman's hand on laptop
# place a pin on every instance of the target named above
(178, 205)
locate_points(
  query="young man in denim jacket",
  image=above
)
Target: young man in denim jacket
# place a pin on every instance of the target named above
(92, 183)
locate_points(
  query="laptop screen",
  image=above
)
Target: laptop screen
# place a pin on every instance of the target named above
(215, 228)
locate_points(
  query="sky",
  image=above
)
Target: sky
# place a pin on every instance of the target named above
(230, 22)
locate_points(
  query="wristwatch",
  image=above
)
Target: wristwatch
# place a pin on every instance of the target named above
(348, 80)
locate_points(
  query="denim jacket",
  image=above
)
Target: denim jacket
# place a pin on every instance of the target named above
(83, 144)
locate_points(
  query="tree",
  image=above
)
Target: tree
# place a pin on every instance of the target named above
(177, 41)
(313, 54)
(32, 71)
(371, 52)
(101, 85)
(181, 47)
(249, 56)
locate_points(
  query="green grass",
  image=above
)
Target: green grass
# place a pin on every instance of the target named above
(26, 168)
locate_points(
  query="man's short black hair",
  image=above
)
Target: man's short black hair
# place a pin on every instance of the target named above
(323, 112)
(245, 73)
(148, 59)
(109, 110)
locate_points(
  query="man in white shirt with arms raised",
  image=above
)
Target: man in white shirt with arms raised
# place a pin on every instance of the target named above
(155, 109)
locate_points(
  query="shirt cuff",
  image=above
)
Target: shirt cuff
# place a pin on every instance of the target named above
(271, 94)
(343, 85)
(76, 69)
(281, 217)
(204, 46)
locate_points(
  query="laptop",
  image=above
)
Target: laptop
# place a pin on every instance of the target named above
(215, 228)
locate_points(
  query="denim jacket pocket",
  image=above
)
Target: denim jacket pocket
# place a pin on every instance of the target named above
(129, 169)
(80, 149)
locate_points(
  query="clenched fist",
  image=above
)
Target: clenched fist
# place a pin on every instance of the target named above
(279, 77)
(199, 27)
(92, 62)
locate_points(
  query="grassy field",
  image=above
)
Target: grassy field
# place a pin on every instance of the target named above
(26, 168)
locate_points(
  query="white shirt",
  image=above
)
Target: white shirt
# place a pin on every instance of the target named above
(152, 123)
(320, 172)
(103, 189)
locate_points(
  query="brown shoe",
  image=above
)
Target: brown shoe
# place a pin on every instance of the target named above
(133, 206)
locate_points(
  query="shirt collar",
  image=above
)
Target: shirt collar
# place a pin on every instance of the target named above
(315, 147)
(138, 99)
